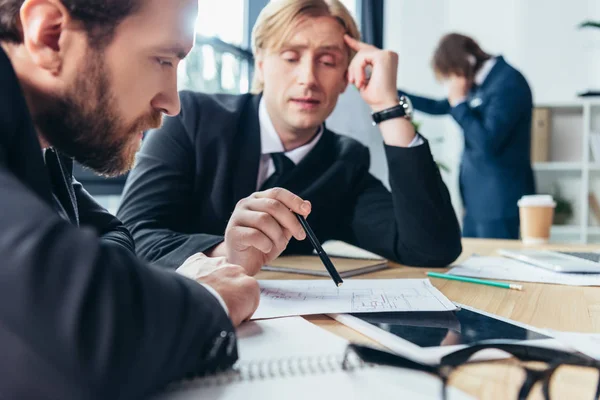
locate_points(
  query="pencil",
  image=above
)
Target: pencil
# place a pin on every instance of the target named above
(478, 281)
(337, 279)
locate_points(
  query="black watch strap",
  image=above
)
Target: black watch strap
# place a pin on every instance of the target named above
(393, 112)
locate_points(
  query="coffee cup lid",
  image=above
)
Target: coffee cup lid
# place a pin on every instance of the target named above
(538, 200)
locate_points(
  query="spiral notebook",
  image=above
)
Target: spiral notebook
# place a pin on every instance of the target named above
(290, 358)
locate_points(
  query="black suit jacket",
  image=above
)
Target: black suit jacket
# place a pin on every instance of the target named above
(191, 173)
(80, 316)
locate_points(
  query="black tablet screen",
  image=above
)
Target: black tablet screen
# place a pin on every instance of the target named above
(431, 329)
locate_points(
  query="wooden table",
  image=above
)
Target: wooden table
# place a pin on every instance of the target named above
(558, 307)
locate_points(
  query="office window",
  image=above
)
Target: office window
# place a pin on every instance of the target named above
(218, 63)
(351, 6)
(223, 19)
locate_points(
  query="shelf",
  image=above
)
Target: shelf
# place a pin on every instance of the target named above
(574, 230)
(574, 104)
(566, 229)
(592, 102)
(558, 166)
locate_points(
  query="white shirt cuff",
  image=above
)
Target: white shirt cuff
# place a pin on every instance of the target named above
(218, 296)
(190, 269)
(457, 102)
(417, 141)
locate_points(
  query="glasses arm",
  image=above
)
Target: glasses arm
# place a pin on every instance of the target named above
(380, 357)
(520, 351)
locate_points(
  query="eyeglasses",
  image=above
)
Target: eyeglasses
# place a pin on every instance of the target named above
(556, 371)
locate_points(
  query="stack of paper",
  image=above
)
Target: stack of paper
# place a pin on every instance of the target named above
(586, 343)
(349, 261)
(311, 265)
(337, 248)
(512, 270)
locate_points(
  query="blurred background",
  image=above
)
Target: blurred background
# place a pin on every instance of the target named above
(547, 40)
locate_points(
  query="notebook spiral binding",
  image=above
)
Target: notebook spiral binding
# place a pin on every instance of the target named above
(278, 368)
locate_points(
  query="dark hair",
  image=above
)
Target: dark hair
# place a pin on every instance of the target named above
(458, 54)
(99, 17)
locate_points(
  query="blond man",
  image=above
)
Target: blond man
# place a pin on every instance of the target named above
(217, 177)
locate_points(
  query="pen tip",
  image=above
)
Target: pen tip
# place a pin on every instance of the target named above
(340, 284)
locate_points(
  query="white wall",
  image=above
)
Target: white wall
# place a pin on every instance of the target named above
(538, 37)
(352, 117)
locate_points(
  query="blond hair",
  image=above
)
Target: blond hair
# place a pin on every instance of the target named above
(279, 17)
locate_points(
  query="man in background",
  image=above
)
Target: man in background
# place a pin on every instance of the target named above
(492, 103)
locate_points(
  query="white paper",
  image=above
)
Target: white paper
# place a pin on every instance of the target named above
(289, 337)
(381, 383)
(285, 339)
(512, 270)
(280, 298)
(586, 343)
(336, 248)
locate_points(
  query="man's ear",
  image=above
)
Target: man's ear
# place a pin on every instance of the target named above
(43, 23)
(344, 85)
(258, 67)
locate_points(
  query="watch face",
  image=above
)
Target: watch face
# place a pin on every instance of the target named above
(408, 107)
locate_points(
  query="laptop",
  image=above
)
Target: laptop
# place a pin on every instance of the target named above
(558, 261)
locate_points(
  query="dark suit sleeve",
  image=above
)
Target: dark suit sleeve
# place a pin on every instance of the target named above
(108, 227)
(415, 224)
(81, 319)
(157, 204)
(427, 105)
(490, 130)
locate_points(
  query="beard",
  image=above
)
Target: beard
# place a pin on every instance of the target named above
(85, 123)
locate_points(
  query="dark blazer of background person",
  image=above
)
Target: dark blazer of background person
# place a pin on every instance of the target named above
(190, 174)
(495, 169)
(81, 317)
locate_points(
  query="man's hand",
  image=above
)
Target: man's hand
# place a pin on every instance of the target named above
(379, 90)
(458, 89)
(261, 227)
(239, 291)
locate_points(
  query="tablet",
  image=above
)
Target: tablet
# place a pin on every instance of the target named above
(428, 336)
(558, 261)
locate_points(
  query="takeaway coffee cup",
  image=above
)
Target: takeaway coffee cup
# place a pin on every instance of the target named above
(536, 213)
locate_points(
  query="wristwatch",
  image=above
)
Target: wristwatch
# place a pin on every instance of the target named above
(404, 109)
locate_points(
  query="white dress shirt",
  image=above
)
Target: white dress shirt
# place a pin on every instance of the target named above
(271, 143)
(192, 270)
(480, 77)
(484, 71)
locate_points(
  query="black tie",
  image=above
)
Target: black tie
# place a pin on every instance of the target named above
(283, 167)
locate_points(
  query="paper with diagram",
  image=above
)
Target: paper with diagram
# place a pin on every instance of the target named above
(281, 298)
